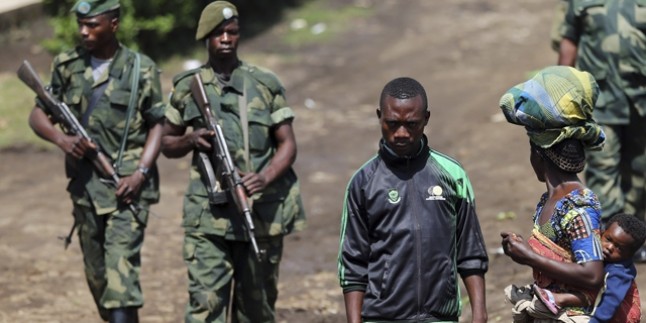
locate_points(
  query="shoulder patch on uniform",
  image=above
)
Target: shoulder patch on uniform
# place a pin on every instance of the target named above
(184, 75)
(264, 76)
(146, 61)
(68, 56)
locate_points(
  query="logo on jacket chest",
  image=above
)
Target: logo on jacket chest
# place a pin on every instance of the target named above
(393, 196)
(435, 193)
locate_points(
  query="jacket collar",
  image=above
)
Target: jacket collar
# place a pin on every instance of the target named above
(119, 60)
(237, 77)
(392, 159)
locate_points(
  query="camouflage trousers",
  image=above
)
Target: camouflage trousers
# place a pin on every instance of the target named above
(617, 172)
(225, 273)
(111, 245)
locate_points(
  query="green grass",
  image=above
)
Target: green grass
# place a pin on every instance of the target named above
(313, 13)
(17, 102)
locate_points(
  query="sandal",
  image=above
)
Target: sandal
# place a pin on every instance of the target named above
(547, 298)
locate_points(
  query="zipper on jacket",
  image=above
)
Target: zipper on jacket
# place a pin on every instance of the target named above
(418, 244)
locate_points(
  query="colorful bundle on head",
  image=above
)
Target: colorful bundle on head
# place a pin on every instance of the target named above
(554, 105)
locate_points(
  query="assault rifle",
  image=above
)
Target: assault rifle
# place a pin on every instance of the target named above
(62, 114)
(222, 158)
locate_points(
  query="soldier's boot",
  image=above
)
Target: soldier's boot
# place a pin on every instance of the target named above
(124, 315)
(104, 313)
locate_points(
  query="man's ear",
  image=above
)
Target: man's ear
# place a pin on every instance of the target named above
(378, 113)
(114, 24)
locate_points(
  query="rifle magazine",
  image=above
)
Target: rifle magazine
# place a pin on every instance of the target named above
(217, 198)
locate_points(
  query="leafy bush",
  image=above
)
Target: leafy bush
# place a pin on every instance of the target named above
(161, 28)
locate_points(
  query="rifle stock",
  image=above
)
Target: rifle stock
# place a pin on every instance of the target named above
(62, 114)
(223, 158)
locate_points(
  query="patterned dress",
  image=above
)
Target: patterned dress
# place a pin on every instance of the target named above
(573, 229)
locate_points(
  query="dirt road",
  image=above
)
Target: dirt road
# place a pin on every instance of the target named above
(465, 52)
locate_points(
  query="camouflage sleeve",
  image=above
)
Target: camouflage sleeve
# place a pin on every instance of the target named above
(570, 27)
(173, 116)
(175, 111)
(153, 106)
(279, 109)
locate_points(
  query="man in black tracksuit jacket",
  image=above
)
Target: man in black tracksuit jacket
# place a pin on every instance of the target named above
(409, 225)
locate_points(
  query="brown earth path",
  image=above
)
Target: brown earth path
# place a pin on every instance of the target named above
(466, 53)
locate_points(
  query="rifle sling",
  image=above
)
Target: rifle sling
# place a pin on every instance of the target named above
(244, 122)
(217, 196)
(131, 106)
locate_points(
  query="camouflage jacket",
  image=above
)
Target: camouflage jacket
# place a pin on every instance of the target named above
(72, 83)
(612, 47)
(278, 210)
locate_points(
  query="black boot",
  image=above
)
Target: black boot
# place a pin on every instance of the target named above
(124, 315)
(104, 313)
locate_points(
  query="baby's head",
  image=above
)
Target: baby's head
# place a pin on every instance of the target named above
(624, 234)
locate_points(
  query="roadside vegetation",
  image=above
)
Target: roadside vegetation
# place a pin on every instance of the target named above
(17, 101)
(314, 23)
(302, 23)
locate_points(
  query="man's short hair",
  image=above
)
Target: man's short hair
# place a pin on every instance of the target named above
(635, 227)
(403, 88)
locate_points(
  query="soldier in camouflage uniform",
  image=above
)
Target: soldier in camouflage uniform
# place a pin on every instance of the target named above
(557, 24)
(97, 81)
(607, 38)
(217, 250)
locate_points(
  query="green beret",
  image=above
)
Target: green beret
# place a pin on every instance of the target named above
(91, 8)
(213, 15)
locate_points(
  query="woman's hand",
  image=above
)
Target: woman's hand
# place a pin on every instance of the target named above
(516, 248)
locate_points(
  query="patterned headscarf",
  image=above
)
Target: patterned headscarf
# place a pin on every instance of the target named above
(554, 105)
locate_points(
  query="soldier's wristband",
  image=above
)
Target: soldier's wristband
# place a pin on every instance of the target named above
(143, 170)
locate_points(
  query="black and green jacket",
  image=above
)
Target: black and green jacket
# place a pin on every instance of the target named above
(408, 229)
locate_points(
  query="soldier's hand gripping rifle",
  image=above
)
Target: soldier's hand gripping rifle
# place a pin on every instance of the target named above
(62, 114)
(223, 159)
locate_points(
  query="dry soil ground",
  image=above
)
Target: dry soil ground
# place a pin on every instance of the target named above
(465, 52)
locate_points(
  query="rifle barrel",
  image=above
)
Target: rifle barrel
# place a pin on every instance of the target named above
(62, 112)
(221, 154)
